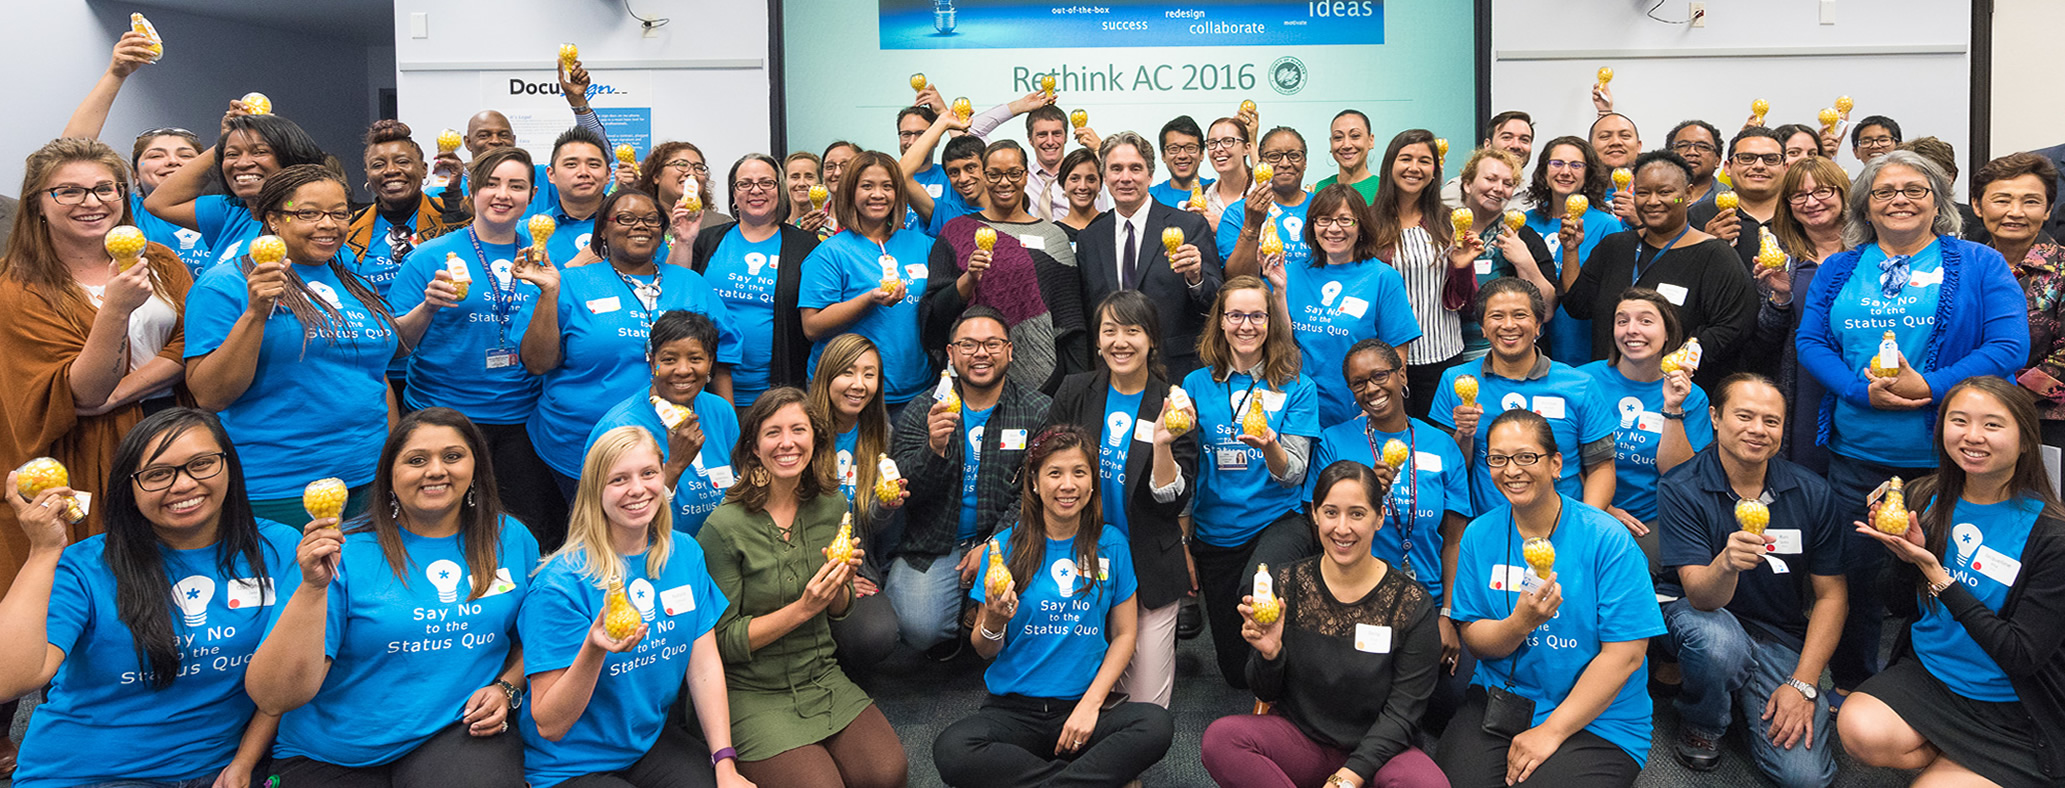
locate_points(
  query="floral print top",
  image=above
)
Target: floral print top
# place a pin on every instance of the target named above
(2042, 275)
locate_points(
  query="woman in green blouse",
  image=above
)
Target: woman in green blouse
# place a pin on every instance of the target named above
(796, 719)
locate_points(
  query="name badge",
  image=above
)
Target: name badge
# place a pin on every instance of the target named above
(678, 600)
(1428, 461)
(1548, 407)
(245, 592)
(721, 477)
(1505, 577)
(601, 306)
(1011, 440)
(1033, 242)
(1483, 265)
(502, 584)
(1372, 639)
(503, 357)
(1784, 541)
(1650, 421)
(915, 271)
(1233, 458)
(1354, 307)
(1996, 565)
(1673, 293)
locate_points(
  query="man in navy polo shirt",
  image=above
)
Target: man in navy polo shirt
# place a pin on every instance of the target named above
(1756, 617)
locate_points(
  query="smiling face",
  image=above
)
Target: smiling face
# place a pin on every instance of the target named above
(579, 170)
(1348, 139)
(1759, 178)
(1901, 215)
(1004, 176)
(1638, 329)
(1125, 177)
(433, 470)
(1799, 146)
(1515, 136)
(396, 171)
(1980, 434)
(1615, 139)
(633, 229)
(1488, 192)
(1700, 149)
(797, 178)
(1413, 169)
(163, 155)
(1082, 185)
(1523, 485)
(756, 192)
(190, 505)
(1660, 197)
(314, 241)
(2014, 209)
(681, 369)
(247, 160)
(1124, 346)
(856, 385)
(636, 490)
(89, 221)
(835, 163)
(1286, 153)
(1246, 321)
(1512, 325)
(982, 367)
(965, 174)
(1064, 482)
(487, 131)
(1811, 211)
(1337, 231)
(784, 442)
(1049, 137)
(1379, 385)
(1225, 148)
(1750, 425)
(500, 200)
(908, 129)
(1346, 519)
(1567, 171)
(875, 196)
(1181, 153)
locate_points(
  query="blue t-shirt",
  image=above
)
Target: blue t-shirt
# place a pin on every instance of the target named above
(702, 486)
(1570, 339)
(378, 267)
(1056, 641)
(1335, 306)
(317, 404)
(1638, 433)
(226, 225)
(1986, 557)
(187, 243)
(408, 651)
(947, 208)
(1290, 227)
(571, 237)
(934, 181)
(467, 360)
(846, 444)
(1167, 194)
(1433, 483)
(1236, 496)
(101, 719)
(849, 264)
(743, 273)
(1121, 412)
(635, 689)
(1607, 598)
(603, 326)
(972, 422)
(1569, 399)
(1860, 316)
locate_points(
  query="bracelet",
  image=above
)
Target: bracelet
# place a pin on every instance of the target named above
(726, 754)
(1679, 416)
(1936, 589)
(988, 635)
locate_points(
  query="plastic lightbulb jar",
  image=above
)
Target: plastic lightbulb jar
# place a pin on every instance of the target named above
(1172, 237)
(257, 103)
(448, 141)
(541, 228)
(268, 249)
(943, 16)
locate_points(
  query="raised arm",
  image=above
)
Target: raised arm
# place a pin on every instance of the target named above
(132, 51)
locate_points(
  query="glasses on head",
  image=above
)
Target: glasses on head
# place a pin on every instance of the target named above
(1820, 193)
(1875, 142)
(1252, 318)
(105, 191)
(1343, 222)
(163, 130)
(684, 164)
(1181, 150)
(990, 346)
(627, 220)
(1523, 459)
(757, 186)
(161, 477)
(1560, 164)
(1694, 147)
(1377, 377)
(1223, 142)
(1912, 192)
(1277, 156)
(339, 216)
(1769, 159)
(1005, 176)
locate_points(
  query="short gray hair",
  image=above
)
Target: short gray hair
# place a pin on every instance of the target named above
(1132, 138)
(1857, 227)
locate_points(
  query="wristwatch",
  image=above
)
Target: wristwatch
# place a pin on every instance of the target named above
(515, 695)
(1804, 688)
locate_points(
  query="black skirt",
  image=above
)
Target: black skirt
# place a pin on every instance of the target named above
(1995, 740)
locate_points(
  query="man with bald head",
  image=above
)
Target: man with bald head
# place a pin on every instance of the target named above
(1617, 142)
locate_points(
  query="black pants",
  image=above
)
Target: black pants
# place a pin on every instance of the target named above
(1225, 574)
(1474, 759)
(1420, 382)
(867, 634)
(677, 760)
(452, 757)
(1864, 561)
(525, 484)
(1010, 742)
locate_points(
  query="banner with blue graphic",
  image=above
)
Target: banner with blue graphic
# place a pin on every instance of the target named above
(1010, 24)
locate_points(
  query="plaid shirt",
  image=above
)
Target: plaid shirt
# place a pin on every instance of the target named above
(933, 512)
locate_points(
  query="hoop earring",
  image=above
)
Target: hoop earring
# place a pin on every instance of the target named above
(469, 497)
(394, 507)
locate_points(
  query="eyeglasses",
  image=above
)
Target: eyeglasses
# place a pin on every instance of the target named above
(990, 346)
(1181, 150)
(339, 216)
(105, 191)
(1875, 142)
(1377, 377)
(627, 220)
(1005, 176)
(756, 186)
(1324, 222)
(684, 164)
(1559, 164)
(1769, 159)
(1524, 459)
(1882, 194)
(1251, 318)
(1695, 147)
(1821, 193)
(164, 130)
(1223, 142)
(1291, 156)
(161, 477)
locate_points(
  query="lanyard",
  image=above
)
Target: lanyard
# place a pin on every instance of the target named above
(638, 290)
(1412, 470)
(1240, 411)
(1641, 247)
(496, 298)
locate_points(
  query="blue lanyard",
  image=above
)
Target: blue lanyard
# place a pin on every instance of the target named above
(1412, 471)
(501, 303)
(1641, 246)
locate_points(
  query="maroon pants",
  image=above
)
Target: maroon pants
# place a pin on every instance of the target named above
(1267, 751)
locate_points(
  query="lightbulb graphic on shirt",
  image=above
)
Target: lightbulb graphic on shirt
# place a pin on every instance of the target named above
(641, 596)
(505, 272)
(1064, 573)
(1967, 538)
(975, 443)
(327, 293)
(445, 574)
(1513, 400)
(1630, 410)
(1120, 427)
(192, 596)
(1328, 292)
(754, 262)
(1293, 226)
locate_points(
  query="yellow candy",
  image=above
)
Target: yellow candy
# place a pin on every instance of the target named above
(1752, 515)
(1463, 220)
(918, 82)
(44, 473)
(1396, 453)
(541, 228)
(1263, 172)
(627, 154)
(1622, 177)
(1727, 200)
(1441, 147)
(568, 53)
(1892, 514)
(1466, 390)
(256, 103)
(1247, 106)
(1172, 237)
(1886, 362)
(945, 394)
(324, 498)
(1270, 243)
(886, 477)
(691, 196)
(1515, 220)
(1177, 419)
(1256, 422)
(448, 141)
(1575, 207)
(1197, 198)
(1605, 74)
(619, 617)
(125, 244)
(841, 548)
(985, 238)
(142, 25)
(964, 109)
(1844, 105)
(1079, 118)
(268, 249)
(997, 579)
(1760, 108)
(1047, 84)
(818, 195)
(1829, 116)
(1266, 606)
(462, 277)
(1770, 257)
(1540, 556)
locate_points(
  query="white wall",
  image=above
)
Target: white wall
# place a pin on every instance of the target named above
(59, 48)
(1905, 59)
(708, 75)
(2028, 109)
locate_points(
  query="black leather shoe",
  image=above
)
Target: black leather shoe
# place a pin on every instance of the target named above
(1698, 753)
(1190, 620)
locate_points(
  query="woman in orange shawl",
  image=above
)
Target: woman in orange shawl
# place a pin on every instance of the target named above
(85, 347)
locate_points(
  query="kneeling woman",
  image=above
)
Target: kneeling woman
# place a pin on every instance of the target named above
(1061, 634)
(1559, 696)
(146, 629)
(1977, 694)
(603, 709)
(1349, 679)
(349, 647)
(682, 351)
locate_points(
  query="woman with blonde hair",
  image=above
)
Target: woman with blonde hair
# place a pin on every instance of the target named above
(89, 349)
(849, 395)
(601, 701)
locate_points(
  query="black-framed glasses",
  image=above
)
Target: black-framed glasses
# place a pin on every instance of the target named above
(1182, 150)
(1911, 191)
(107, 192)
(1223, 142)
(1376, 377)
(1694, 147)
(1343, 222)
(990, 346)
(756, 186)
(161, 477)
(341, 215)
(1256, 318)
(1769, 159)
(1004, 176)
(627, 220)
(1277, 156)
(1523, 459)
(1869, 143)
(1822, 193)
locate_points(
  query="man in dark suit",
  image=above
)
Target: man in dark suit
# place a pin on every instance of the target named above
(1122, 250)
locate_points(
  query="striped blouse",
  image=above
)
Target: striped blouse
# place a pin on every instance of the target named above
(1425, 269)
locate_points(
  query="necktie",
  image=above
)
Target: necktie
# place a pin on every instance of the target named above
(1131, 261)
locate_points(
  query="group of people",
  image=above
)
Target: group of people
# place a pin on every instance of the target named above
(632, 486)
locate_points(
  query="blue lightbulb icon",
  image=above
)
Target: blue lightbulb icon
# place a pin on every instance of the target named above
(943, 16)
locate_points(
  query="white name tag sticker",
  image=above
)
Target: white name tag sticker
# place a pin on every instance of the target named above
(1650, 421)
(1483, 265)
(245, 592)
(1372, 639)
(601, 306)
(1428, 461)
(502, 584)
(1996, 565)
(1506, 577)
(1673, 293)
(915, 271)
(1548, 407)
(1354, 307)
(1784, 541)
(1012, 440)
(1031, 241)
(721, 477)
(1143, 430)
(678, 600)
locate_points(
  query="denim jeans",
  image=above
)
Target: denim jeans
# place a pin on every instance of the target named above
(928, 602)
(197, 782)
(1725, 669)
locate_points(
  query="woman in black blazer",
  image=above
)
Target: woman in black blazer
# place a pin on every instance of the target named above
(760, 212)
(1146, 474)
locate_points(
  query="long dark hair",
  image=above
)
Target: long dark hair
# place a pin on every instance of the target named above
(290, 147)
(1133, 308)
(143, 592)
(1937, 494)
(315, 315)
(1383, 211)
(818, 474)
(480, 515)
(871, 429)
(1594, 185)
(1029, 539)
